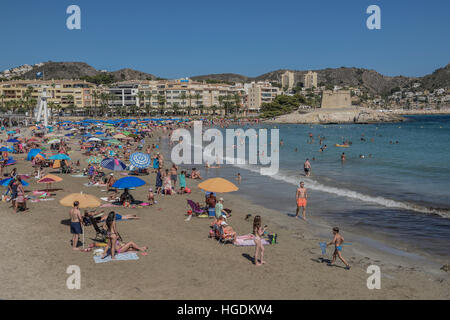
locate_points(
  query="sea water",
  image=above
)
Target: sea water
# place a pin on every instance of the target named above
(394, 185)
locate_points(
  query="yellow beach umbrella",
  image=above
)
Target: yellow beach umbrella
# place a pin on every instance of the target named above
(85, 200)
(219, 185)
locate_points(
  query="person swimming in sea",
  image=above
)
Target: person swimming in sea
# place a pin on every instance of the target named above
(338, 240)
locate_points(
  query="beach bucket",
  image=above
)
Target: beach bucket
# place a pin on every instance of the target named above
(323, 246)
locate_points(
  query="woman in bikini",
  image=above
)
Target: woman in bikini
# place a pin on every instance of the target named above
(258, 231)
(113, 244)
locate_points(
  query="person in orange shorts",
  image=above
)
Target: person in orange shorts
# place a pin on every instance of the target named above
(301, 197)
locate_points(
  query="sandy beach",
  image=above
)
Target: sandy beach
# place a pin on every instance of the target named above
(183, 263)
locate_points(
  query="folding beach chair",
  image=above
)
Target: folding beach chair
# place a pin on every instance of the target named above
(100, 232)
(195, 208)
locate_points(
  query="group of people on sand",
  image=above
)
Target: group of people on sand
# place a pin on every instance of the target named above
(114, 241)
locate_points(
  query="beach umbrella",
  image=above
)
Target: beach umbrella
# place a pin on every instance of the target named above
(59, 156)
(219, 185)
(12, 141)
(85, 200)
(5, 182)
(49, 179)
(113, 164)
(128, 182)
(113, 141)
(6, 149)
(140, 160)
(93, 159)
(10, 161)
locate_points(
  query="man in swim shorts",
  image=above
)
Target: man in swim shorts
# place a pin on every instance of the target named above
(301, 198)
(307, 168)
(75, 224)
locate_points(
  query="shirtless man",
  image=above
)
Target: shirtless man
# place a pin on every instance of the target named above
(338, 240)
(307, 168)
(301, 197)
(75, 224)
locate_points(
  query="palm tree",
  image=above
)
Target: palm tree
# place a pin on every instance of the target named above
(52, 105)
(161, 102)
(183, 98)
(214, 108)
(103, 102)
(221, 100)
(176, 108)
(149, 95)
(141, 97)
(95, 95)
(3, 98)
(197, 98)
(237, 101)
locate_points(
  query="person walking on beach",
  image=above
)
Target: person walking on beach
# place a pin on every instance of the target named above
(338, 240)
(307, 168)
(258, 232)
(75, 224)
(301, 198)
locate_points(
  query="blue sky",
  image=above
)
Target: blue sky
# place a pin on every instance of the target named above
(186, 38)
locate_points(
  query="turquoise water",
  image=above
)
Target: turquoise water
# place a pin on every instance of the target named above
(399, 192)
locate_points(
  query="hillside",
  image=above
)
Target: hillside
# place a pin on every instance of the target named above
(438, 79)
(78, 70)
(371, 80)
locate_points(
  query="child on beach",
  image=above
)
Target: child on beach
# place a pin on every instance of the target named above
(338, 240)
(258, 232)
(151, 196)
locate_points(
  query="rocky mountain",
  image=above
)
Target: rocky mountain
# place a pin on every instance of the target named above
(373, 81)
(78, 70)
(438, 79)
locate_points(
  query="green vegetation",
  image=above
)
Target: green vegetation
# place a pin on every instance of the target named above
(282, 104)
(101, 78)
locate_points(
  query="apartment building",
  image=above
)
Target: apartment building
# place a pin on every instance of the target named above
(181, 95)
(259, 93)
(61, 92)
(310, 80)
(287, 80)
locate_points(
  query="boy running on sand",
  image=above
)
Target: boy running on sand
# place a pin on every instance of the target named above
(338, 240)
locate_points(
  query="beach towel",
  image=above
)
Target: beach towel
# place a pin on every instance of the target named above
(248, 243)
(119, 257)
(245, 241)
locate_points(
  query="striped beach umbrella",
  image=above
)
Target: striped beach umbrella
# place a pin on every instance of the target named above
(113, 164)
(140, 160)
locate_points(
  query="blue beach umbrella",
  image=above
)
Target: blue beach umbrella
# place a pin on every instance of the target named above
(113, 164)
(140, 160)
(5, 182)
(32, 153)
(128, 182)
(59, 156)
